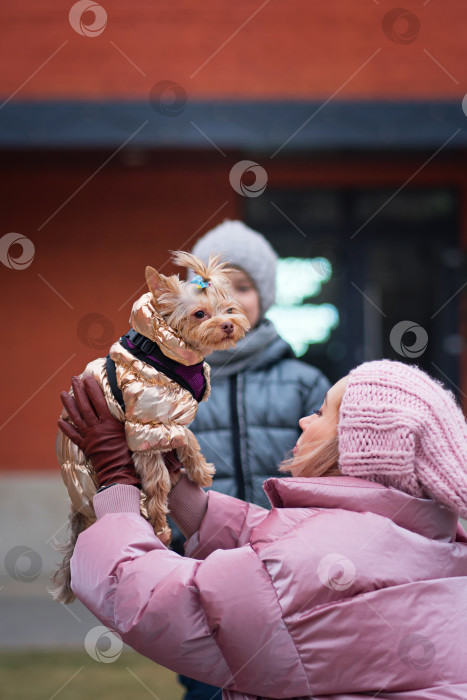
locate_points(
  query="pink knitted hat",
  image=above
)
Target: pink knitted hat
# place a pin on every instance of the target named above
(400, 427)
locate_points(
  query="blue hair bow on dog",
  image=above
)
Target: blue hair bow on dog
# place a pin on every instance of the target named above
(200, 282)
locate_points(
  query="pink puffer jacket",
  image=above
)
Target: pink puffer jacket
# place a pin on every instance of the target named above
(346, 589)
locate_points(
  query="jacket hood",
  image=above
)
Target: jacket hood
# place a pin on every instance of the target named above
(420, 515)
(277, 350)
(146, 320)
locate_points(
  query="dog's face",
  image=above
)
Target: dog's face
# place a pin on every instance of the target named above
(206, 317)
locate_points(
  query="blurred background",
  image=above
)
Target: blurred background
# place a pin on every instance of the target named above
(337, 129)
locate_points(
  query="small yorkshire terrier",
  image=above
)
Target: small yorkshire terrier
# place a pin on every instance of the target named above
(153, 379)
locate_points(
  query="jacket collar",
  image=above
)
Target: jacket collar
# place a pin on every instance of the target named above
(261, 347)
(146, 320)
(420, 515)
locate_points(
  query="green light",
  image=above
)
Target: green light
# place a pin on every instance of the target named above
(298, 323)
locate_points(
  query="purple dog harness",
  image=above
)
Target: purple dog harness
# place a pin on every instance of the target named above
(189, 377)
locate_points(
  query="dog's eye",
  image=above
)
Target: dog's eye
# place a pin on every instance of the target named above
(199, 314)
(230, 311)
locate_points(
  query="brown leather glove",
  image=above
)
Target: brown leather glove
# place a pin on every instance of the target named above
(172, 462)
(98, 434)
(174, 467)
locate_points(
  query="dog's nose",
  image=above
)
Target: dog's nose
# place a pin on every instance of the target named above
(227, 327)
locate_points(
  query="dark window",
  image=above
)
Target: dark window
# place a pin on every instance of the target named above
(394, 259)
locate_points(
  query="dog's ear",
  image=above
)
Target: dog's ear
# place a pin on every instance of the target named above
(160, 284)
(154, 281)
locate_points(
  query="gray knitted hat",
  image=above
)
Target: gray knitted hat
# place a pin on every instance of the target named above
(244, 248)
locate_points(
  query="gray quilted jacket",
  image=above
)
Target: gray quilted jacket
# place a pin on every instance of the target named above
(259, 391)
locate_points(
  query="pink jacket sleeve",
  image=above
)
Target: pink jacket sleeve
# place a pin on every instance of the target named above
(154, 598)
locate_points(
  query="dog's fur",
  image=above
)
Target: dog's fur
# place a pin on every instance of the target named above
(176, 302)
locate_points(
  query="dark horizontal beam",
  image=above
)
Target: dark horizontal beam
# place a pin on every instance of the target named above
(255, 126)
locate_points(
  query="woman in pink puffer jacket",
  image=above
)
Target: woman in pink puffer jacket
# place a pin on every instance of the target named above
(353, 585)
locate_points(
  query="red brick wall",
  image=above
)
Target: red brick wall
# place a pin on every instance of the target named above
(93, 254)
(281, 48)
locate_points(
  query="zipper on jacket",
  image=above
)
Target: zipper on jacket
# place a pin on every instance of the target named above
(236, 437)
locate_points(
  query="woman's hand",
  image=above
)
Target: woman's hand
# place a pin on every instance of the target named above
(97, 433)
(174, 467)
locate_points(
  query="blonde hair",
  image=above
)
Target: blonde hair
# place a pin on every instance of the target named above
(316, 459)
